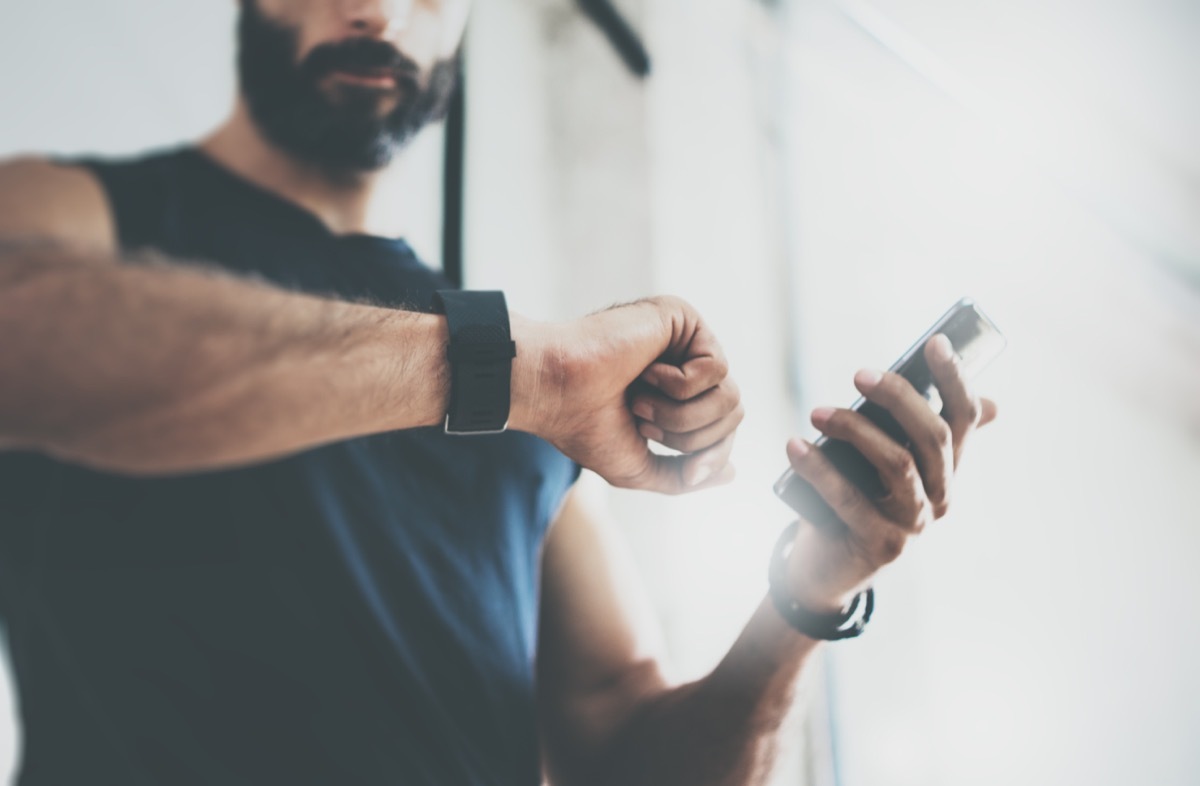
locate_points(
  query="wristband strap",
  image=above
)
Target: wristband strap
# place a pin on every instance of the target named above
(824, 627)
(481, 353)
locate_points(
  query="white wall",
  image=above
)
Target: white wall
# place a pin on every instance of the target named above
(1048, 632)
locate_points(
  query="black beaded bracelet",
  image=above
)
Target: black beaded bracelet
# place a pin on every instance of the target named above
(824, 627)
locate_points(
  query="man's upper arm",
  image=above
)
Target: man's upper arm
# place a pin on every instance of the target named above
(599, 643)
(43, 201)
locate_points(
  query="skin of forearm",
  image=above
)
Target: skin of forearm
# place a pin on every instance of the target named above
(719, 731)
(152, 368)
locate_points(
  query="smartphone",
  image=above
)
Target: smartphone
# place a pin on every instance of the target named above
(975, 340)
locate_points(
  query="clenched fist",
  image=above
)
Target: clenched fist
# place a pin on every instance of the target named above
(603, 387)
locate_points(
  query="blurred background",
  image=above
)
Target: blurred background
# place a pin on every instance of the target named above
(823, 178)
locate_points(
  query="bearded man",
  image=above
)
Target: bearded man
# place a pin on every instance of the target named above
(237, 546)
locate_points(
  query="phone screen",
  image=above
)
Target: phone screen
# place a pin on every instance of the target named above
(975, 340)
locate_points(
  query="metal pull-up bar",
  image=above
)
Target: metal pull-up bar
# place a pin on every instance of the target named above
(619, 32)
(629, 47)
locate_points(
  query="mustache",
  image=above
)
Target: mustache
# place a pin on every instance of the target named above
(356, 54)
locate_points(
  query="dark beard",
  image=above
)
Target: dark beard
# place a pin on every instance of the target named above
(348, 134)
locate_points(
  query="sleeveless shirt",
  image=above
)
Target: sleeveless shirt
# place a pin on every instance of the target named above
(361, 613)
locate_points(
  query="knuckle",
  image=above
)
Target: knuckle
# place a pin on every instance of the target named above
(727, 399)
(844, 496)
(901, 465)
(666, 301)
(890, 546)
(940, 437)
(943, 433)
(906, 507)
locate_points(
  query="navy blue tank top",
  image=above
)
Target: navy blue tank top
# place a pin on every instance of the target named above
(362, 613)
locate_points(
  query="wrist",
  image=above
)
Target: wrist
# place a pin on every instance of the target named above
(804, 586)
(538, 377)
(815, 608)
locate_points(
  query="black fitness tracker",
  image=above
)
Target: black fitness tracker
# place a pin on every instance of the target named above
(481, 353)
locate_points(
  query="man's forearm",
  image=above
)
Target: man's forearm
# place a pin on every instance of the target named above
(147, 368)
(718, 731)
(159, 368)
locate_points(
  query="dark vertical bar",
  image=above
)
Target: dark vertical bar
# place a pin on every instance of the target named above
(454, 183)
(619, 33)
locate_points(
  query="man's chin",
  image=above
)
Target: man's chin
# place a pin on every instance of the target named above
(343, 164)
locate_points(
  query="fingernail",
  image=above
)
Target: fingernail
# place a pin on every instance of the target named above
(651, 378)
(942, 348)
(643, 410)
(700, 473)
(800, 447)
(821, 415)
(651, 432)
(868, 378)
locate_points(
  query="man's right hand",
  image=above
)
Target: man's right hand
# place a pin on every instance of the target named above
(602, 387)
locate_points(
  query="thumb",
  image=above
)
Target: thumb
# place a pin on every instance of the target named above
(988, 411)
(682, 474)
(700, 366)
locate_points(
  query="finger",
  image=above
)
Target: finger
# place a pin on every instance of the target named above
(700, 367)
(686, 416)
(698, 440)
(685, 474)
(699, 468)
(688, 381)
(875, 539)
(960, 407)
(930, 439)
(990, 412)
(906, 498)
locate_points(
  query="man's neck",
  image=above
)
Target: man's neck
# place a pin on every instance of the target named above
(340, 203)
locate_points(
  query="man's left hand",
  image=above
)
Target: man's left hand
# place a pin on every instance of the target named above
(827, 568)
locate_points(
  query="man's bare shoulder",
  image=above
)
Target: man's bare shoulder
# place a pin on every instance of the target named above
(43, 200)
